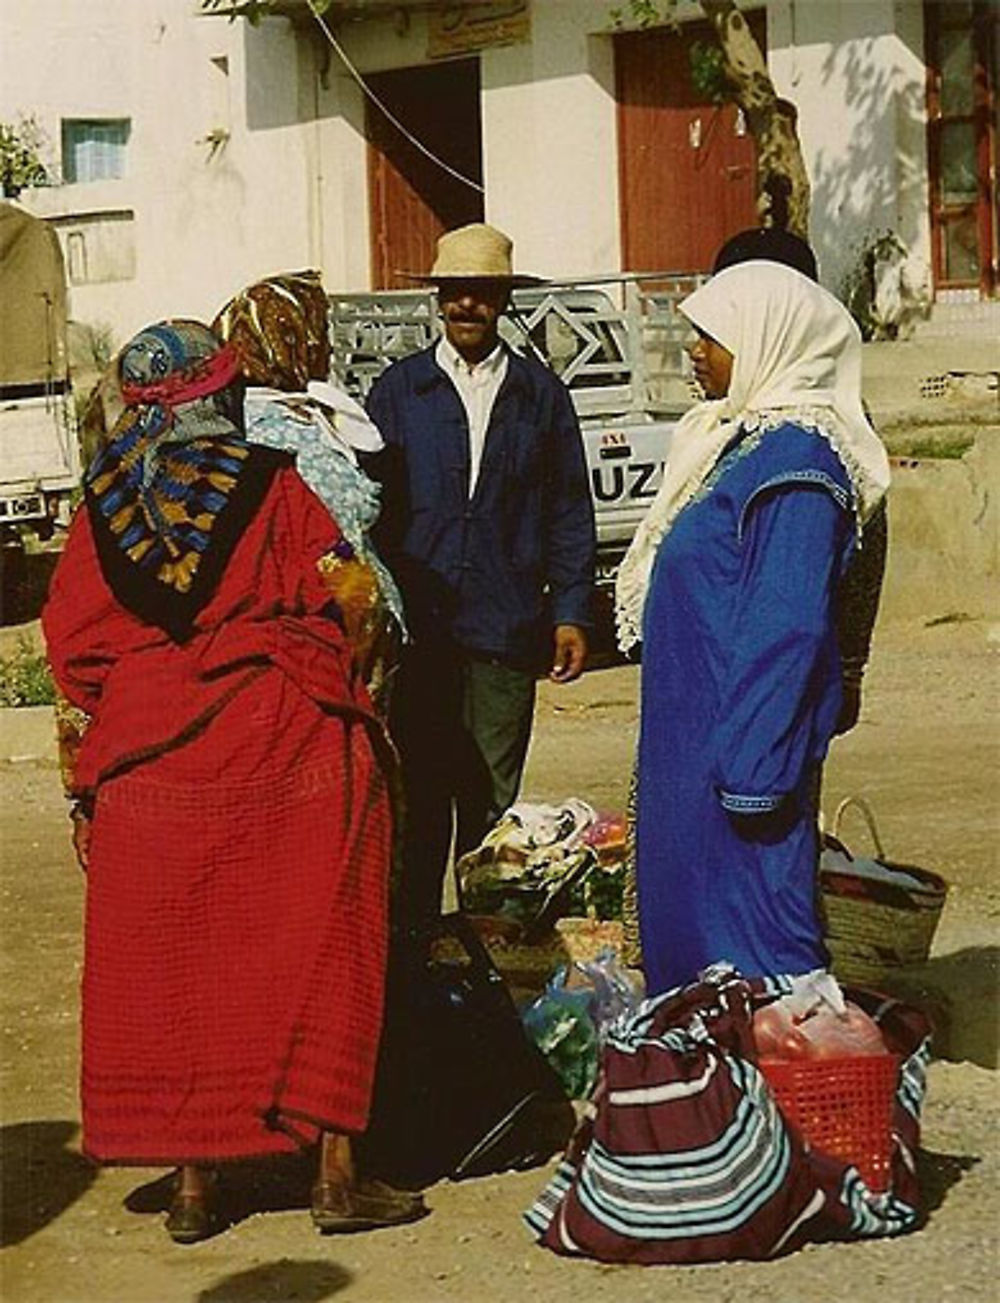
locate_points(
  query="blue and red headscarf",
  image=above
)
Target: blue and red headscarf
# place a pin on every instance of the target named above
(174, 483)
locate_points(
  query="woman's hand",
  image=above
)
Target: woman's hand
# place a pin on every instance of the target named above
(81, 838)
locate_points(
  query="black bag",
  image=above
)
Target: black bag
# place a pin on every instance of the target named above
(460, 1089)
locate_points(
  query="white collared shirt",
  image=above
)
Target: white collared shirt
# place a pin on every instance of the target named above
(478, 385)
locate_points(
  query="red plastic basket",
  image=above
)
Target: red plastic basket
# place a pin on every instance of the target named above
(841, 1107)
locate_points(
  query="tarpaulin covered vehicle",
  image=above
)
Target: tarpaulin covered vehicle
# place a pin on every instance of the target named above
(39, 454)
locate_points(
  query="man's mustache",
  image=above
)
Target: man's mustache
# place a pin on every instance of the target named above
(465, 318)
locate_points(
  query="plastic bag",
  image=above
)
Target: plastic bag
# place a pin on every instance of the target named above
(823, 1033)
(614, 991)
(570, 1021)
(560, 1024)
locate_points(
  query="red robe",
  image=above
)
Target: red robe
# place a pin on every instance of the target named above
(237, 889)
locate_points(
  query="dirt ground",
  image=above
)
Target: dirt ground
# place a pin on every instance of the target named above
(925, 754)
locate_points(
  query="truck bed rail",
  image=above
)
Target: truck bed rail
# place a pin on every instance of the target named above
(615, 341)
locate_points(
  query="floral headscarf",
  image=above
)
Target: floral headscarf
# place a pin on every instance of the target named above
(280, 332)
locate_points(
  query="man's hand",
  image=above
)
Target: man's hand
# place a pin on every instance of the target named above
(570, 653)
(81, 838)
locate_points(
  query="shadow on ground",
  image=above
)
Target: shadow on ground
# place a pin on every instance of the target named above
(304, 1281)
(41, 1177)
(277, 1184)
(959, 992)
(937, 1173)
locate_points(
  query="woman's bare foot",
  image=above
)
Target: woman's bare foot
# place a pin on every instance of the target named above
(192, 1213)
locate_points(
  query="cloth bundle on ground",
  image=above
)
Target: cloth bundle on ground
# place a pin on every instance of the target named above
(686, 1157)
(527, 861)
(540, 861)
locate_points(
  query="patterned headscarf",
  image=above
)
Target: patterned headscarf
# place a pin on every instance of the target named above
(174, 482)
(279, 330)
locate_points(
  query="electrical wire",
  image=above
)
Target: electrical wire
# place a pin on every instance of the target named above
(418, 144)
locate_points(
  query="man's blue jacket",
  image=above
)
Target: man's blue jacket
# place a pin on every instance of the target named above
(496, 571)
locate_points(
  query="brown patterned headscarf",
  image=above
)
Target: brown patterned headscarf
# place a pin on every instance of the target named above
(279, 329)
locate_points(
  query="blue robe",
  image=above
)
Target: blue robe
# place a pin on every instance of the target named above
(740, 696)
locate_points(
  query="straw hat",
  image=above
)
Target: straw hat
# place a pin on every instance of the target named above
(474, 252)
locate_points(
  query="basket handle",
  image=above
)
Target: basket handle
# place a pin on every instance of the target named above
(861, 805)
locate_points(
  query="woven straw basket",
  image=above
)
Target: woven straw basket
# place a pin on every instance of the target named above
(875, 927)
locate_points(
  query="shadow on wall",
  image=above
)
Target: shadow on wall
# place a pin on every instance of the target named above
(855, 198)
(278, 55)
(41, 1177)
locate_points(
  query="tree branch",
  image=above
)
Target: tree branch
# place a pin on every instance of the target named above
(783, 190)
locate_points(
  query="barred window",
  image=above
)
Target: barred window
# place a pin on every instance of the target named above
(93, 149)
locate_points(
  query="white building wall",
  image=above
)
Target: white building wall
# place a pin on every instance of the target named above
(206, 220)
(854, 68)
(855, 71)
(287, 187)
(550, 158)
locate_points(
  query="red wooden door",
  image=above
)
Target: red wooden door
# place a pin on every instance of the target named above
(412, 199)
(686, 166)
(963, 90)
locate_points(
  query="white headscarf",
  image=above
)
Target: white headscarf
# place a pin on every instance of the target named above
(796, 357)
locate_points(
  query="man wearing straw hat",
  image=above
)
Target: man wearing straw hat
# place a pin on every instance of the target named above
(488, 525)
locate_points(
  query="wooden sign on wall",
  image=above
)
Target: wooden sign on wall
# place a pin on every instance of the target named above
(464, 28)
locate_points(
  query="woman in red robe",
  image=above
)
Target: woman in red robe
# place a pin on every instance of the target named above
(231, 804)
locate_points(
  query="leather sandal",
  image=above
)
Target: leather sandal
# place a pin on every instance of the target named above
(192, 1216)
(338, 1206)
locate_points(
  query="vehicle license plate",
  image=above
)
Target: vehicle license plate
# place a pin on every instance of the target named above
(24, 506)
(632, 482)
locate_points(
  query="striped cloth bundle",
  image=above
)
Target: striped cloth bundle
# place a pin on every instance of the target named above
(685, 1157)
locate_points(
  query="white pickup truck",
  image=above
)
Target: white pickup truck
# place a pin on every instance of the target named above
(39, 454)
(615, 341)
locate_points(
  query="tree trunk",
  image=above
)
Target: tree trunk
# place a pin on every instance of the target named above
(782, 182)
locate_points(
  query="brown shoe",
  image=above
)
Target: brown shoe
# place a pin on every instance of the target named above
(362, 1206)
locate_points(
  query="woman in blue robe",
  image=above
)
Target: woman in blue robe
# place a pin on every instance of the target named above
(731, 586)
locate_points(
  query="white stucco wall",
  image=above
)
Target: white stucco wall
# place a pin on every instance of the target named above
(855, 71)
(289, 187)
(549, 146)
(205, 222)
